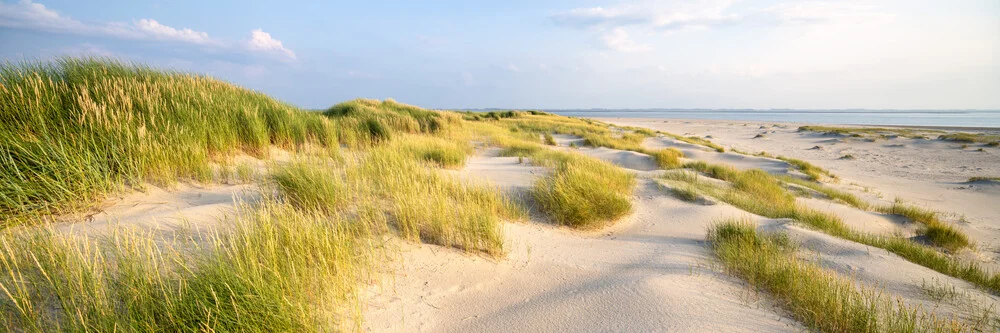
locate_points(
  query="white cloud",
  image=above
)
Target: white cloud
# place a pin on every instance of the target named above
(608, 23)
(29, 15)
(35, 16)
(512, 68)
(826, 12)
(618, 39)
(155, 30)
(262, 41)
(661, 16)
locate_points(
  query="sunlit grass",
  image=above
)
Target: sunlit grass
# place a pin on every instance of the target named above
(760, 193)
(819, 298)
(667, 158)
(275, 268)
(77, 129)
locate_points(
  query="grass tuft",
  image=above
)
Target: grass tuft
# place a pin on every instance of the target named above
(669, 158)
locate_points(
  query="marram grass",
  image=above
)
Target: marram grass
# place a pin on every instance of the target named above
(760, 193)
(819, 298)
(76, 129)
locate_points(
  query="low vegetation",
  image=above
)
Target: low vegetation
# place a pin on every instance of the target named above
(871, 132)
(819, 298)
(983, 179)
(812, 171)
(581, 192)
(76, 130)
(970, 137)
(668, 158)
(276, 269)
(760, 193)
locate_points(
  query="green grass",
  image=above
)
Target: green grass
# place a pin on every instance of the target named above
(970, 137)
(669, 158)
(275, 269)
(812, 171)
(696, 141)
(687, 193)
(313, 185)
(982, 178)
(423, 204)
(871, 132)
(76, 130)
(580, 192)
(760, 193)
(938, 233)
(442, 152)
(829, 192)
(819, 298)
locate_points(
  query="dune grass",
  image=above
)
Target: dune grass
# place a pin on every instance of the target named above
(819, 298)
(983, 179)
(871, 131)
(310, 184)
(549, 140)
(970, 137)
(426, 205)
(366, 122)
(812, 171)
(584, 193)
(275, 269)
(938, 233)
(75, 130)
(669, 158)
(580, 192)
(757, 192)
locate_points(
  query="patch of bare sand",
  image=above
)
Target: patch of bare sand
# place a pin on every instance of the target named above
(184, 208)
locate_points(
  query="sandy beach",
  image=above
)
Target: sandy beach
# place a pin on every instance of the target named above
(653, 271)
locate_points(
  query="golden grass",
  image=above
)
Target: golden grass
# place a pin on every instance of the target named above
(669, 158)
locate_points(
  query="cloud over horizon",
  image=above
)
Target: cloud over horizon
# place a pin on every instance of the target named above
(33, 16)
(613, 24)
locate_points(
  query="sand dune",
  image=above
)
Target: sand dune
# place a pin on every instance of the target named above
(651, 272)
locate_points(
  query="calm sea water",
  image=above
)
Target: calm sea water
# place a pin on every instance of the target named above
(949, 118)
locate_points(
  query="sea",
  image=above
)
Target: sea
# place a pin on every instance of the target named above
(941, 118)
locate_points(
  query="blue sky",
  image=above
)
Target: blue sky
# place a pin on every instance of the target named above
(547, 54)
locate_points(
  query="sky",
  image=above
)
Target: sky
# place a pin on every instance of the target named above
(875, 54)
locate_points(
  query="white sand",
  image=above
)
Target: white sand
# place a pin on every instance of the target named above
(650, 272)
(653, 270)
(928, 173)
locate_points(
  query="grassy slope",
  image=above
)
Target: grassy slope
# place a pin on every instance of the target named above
(77, 130)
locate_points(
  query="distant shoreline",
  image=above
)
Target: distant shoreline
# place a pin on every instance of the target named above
(799, 123)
